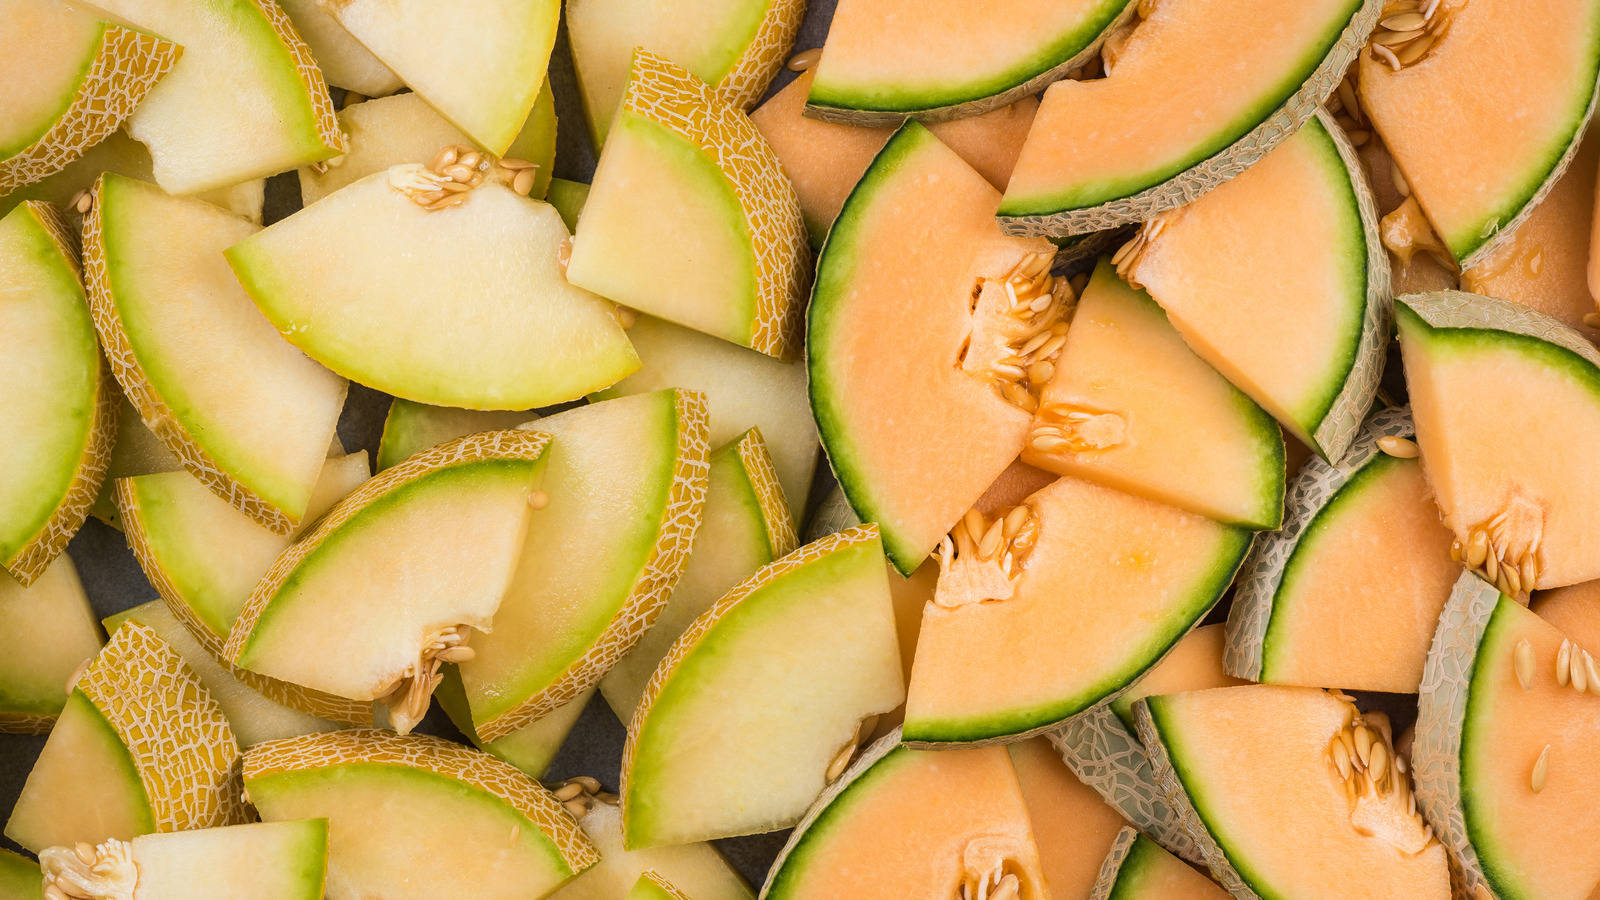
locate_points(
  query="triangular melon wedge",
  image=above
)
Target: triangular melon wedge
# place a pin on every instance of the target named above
(60, 414)
(1137, 868)
(1511, 477)
(413, 427)
(140, 747)
(413, 561)
(1072, 827)
(460, 305)
(624, 489)
(763, 697)
(278, 115)
(71, 79)
(171, 317)
(19, 877)
(690, 217)
(481, 66)
(1129, 405)
(342, 59)
(697, 868)
(651, 886)
(52, 633)
(530, 748)
(1280, 281)
(416, 816)
(1292, 792)
(1165, 128)
(260, 861)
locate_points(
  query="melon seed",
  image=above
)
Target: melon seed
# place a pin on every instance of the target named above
(1564, 663)
(1541, 770)
(1398, 447)
(1522, 663)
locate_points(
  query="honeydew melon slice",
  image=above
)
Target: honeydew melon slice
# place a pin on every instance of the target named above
(19, 877)
(1475, 182)
(1137, 868)
(344, 62)
(277, 115)
(530, 748)
(259, 861)
(1132, 407)
(651, 886)
(690, 217)
(71, 79)
(52, 632)
(885, 60)
(568, 197)
(624, 490)
(170, 317)
(1511, 478)
(1280, 281)
(759, 698)
(140, 747)
(1072, 826)
(1253, 765)
(135, 451)
(919, 228)
(416, 816)
(413, 427)
(59, 417)
(1574, 611)
(696, 868)
(459, 306)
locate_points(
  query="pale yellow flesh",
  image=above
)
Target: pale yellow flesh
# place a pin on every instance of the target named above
(42, 68)
(344, 62)
(54, 633)
(76, 790)
(258, 861)
(696, 869)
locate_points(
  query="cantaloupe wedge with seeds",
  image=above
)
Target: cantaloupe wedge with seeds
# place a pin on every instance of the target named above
(416, 816)
(54, 633)
(1072, 827)
(260, 861)
(413, 427)
(530, 748)
(60, 410)
(1165, 129)
(342, 59)
(19, 877)
(1573, 610)
(690, 217)
(1137, 868)
(696, 868)
(140, 747)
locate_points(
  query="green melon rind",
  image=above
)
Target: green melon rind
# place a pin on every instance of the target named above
(1318, 483)
(1105, 884)
(1461, 310)
(1221, 166)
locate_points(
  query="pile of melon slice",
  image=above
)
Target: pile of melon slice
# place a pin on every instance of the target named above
(1034, 450)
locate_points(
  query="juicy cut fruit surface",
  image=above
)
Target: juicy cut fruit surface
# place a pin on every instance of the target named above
(60, 635)
(413, 427)
(1139, 869)
(1072, 827)
(695, 868)
(259, 861)
(344, 62)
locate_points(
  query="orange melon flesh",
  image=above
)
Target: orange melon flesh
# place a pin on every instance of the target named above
(1194, 664)
(1573, 610)
(1072, 826)
(1144, 871)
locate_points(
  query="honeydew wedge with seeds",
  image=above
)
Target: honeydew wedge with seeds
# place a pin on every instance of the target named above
(52, 634)
(19, 877)
(696, 869)
(452, 299)
(416, 816)
(259, 861)
(1165, 129)
(1072, 827)
(410, 428)
(342, 59)
(530, 748)
(140, 747)
(1137, 868)
(690, 217)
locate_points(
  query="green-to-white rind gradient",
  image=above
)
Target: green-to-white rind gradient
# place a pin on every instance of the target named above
(1459, 309)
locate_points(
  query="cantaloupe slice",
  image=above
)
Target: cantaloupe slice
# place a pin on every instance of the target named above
(568, 197)
(1250, 765)
(413, 561)
(413, 427)
(920, 228)
(1574, 611)
(690, 217)
(1507, 739)
(279, 114)
(71, 77)
(410, 815)
(260, 861)
(140, 747)
(695, 868)
(342, 59)
(1475, 184)
(53, 633)
(1347, 594)
(19, 877)
(1280, 281)
(59, 417)
(530, 748)
(170, 316)
(1072, 827)
(1165, 128)
(888, 59)
(1129, 405)
(763, 696)
(1510, 476)
(623, 490)
(458, 305)
(1137, 868)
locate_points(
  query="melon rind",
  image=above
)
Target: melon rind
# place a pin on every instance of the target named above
(748, 79)
(1111, 869)
(1459, 309)
(651, 886)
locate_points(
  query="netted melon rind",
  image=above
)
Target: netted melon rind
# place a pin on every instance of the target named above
(323, 114)
(751, 74)
(1459, 309)
(662, 885)
(763, 479)
(832, 515)
(1111, 868)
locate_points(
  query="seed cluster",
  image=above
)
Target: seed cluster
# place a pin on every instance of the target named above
(1019, 326)
(580, 795)
(408, 700)
(454, 171)
(1362, 755)
(1506, 548)
(1129, 255)
(1575, 668)
(981, 558)
(1406, 31)
(1070, 428)
(988, 871)
(89, 872)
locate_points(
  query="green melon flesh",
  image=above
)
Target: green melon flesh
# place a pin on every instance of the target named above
(413, 427)
(1144, 871)
(19, 877)
(55, 633)
(46, 68)
(261, 861)
(568, 197)
(653, 887)
(697, 869)
(136, 451)
(344, 62)
(463, 306)
(530, 748)
(766, 687)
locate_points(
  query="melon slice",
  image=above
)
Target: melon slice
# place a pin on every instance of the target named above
(919, 228)
(19, 877)
(914, 823)
(415, 816)
(1072, 826)
(140, 747)
(624, 489)
(1511, 477)
(342, 59)
(1476, 183)
(259, 861)
(763, 697)
(568, 197)
(135, 451)
(1574, 611)
(52, 633)
(71, 79)
(885, 60)
(413, 427)
(530, 748)
(744, 525)
(277, 115)
(1132, 407)
(455, 306)
(1254, 765)
(1279, 280)
(696, 869)
(1165, 128)
(1347, 594)
(651, 886)
(59, 417)
(1137, 868)
(743, 389)
(690, 217)
(171, 316)
(413, 561)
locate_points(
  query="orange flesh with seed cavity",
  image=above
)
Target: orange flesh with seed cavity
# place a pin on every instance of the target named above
(1072, 825)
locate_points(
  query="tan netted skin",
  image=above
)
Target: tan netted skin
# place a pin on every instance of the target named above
(763, 475)
(753, 71)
